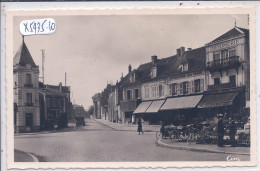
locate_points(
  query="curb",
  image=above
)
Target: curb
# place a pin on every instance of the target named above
(121, 129)
(158, 142)
(23, 153)
(106, 125)
(35, 159)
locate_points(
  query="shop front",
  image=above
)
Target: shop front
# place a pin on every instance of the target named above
(180, 110)
(149, 111)
(229, 104)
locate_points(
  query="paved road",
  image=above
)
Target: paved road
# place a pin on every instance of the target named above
(98, 143)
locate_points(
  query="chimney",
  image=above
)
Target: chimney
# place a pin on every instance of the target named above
(60, 86)
(129, 68)
(182, 49)
(154, 59)
(122, 76)
(189, 49)
(178, 51)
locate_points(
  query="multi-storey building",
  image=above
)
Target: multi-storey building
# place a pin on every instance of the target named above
(129, 94)
(228, 74)
(193, 84)
(26, 91)
(55, 106)
(173, 86)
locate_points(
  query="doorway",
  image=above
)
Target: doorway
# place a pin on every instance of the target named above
(28, 122)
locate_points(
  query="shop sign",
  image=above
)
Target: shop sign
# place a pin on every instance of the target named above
(225, 45)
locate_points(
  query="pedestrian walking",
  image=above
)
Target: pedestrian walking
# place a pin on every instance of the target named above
(75, 126)
(139, 129)
(232, 132)
(220, 131)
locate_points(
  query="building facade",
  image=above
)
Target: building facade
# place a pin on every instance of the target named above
(179, 78)
(228, 74)
(26, 92)
(55, 106)
(129, 94)
(195, 84)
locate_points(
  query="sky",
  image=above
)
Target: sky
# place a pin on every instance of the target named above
(94, 50)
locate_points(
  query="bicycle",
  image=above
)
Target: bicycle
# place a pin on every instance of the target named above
(169, 132)
(208, 136)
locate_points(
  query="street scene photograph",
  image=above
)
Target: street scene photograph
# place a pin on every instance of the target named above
(132, 88)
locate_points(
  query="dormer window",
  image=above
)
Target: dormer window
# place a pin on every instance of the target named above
(132, 77)
(183, 67)
(154, 72)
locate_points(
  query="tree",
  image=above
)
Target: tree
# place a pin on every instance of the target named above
(90, 110)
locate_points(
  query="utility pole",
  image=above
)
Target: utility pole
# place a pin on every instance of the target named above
(43, 60)
(65, 79)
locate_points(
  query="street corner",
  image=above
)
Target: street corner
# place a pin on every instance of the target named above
(20, 156)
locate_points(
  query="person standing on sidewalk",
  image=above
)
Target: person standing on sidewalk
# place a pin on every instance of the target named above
(163, 129)
(220, 131)
(232, 132)
(139, 129)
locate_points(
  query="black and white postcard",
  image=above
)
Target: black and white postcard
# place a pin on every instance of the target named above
(131, 88)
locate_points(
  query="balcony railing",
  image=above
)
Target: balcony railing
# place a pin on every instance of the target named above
(28, 85)
(221, 86)
(230, 62)
(28, 104)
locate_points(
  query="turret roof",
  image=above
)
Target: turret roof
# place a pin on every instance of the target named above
(23, 56)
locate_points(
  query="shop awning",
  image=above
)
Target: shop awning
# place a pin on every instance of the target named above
(155, 106)
(142, 107)
(217, 100)
(181, 102)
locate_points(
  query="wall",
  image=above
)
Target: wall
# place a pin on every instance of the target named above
(20, 96)
(241, 51)
(166, 83)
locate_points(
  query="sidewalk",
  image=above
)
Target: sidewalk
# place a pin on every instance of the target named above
(70, 127)
(212, 148)
(128, 127)
(20, 156)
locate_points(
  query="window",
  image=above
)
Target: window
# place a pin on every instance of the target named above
(185, 87)
(232, 80)
(54, 102)
(154, 72)
(216, 81)
(185, 67)
(29, 98)
(124, 95)
(161, 90)
(224, 55)
(128, 94)
(136, 93)
(28, 79)
(197, 86)
(146, 89)
(173, 89)
(216, 57)
(132, 77)
(154, 91)
(232, 53)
